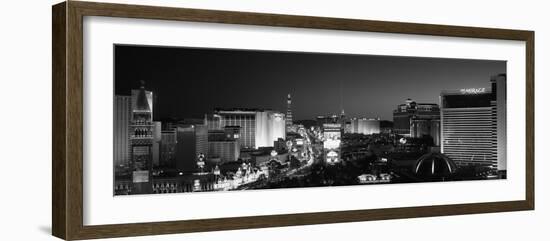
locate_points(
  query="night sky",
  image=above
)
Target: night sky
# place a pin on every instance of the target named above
(189, 82)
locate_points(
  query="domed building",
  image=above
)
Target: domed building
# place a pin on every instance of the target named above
(434, 166)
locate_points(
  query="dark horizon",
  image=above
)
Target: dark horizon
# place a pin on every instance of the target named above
(190, 82)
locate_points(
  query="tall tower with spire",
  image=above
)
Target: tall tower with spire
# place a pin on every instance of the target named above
(141, 139)
(342, 112)
(288, 122)
(343, 120)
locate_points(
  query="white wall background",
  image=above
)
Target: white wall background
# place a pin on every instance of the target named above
(25, 139)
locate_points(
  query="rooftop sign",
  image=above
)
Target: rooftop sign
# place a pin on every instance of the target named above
(473, 91)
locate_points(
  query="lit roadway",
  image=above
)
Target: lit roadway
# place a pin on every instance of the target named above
(314, 152)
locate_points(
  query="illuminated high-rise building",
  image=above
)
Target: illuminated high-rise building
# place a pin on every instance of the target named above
(121, 141)
(473, 125)
(244, 118)
(258, 128)
(270, 126)
(141, 140)
(288, 122)
(365, 126)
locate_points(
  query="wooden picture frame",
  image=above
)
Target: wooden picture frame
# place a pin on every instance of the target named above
(67, 124)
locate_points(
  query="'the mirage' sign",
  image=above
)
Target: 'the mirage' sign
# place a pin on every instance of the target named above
(473, 91)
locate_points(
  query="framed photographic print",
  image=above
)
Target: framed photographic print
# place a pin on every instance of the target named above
(171, 120)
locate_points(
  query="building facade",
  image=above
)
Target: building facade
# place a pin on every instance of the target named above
(168, 146)
(422, 127)
(473, 125)
(258, 128)
(141, 140)
(288, 121)
(121, 142)
(365, 126)
(157, 138)
(332, 134)
(148, 96)
(404, 113)
(270, 126)
(224, 145)
(244, 118)
(225, 150)
(328, 119)
(192, 140)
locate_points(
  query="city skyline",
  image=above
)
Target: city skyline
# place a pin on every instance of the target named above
(245, 131)
(195, 81)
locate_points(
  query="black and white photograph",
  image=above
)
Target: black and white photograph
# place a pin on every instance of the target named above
(190, 119)
(271, 120)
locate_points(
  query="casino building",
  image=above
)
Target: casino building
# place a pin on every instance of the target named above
(473, 125)
(141, 140)
(258, 128)
(405, 116)
(332, 133)
(421, 127)
(365, 126)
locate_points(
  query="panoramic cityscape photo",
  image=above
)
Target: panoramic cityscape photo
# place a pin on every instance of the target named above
(206, 119)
